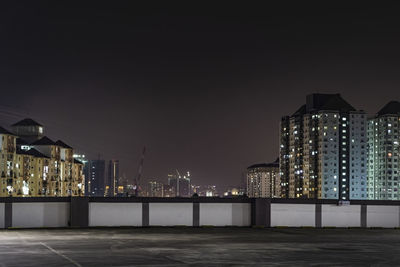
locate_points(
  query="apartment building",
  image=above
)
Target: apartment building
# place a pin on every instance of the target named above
(383, 153)
(323, 150)
(34, 165)
(263, 180)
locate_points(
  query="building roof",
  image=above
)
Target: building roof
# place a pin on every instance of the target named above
(62, 144)
(300, 111)
(32, 152)
(22, 142)
(44, 141)
(36, 153)
(27, 122)
(4, 131)
(77, 161)
(265, 165)
(317, 102)
(393, 108)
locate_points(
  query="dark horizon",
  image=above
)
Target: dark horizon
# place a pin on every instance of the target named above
(203, 89)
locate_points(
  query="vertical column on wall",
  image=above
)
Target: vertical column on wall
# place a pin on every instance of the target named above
(363, 219)
(79, 212)
(145, 214)
(261, 212)
(399, 217)
(318, 215)
(196, 213)
(8, 213)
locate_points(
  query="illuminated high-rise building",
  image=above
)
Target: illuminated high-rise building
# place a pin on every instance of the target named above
(383, 153)
(263, 180)
(323, 150)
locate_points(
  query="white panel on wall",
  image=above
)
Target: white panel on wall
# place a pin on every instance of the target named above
(341, 216)
(293, 215)
(170, 214)
(382, 216)
(225, 214)
(115, 214)
(40, 214)
(217, 214)
(241, 214)
(2, 211)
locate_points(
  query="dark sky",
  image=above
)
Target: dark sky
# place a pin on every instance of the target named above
(202, 87)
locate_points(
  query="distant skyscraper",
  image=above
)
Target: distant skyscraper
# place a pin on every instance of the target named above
(112, 178)
(181, 184)
(96, 179)
(383, 153)
(155, 189)
(263, 180)
(323, 150)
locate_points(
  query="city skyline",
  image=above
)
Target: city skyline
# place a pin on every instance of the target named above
(203, 92)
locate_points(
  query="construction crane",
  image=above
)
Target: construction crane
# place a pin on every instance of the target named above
(139, 174)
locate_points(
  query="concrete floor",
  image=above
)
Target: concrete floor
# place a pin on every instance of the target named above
(200, 247)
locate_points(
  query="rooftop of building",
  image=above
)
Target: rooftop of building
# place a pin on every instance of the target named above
(44, 141)
(274, 164)
(77, 161)
(5, 131)
(27, 122)
(31, 152)
(62, 144)
(391, 108)
(319, 102)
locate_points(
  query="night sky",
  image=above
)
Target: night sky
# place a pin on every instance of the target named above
(202, 87)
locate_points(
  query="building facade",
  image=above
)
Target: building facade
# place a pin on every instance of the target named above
(180, 184)
(263, 180)
(97, 178)
(323, 150)
(383, 153)
(155, 189)
(34, 165)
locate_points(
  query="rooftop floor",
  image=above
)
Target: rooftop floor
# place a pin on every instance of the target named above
(199, 246)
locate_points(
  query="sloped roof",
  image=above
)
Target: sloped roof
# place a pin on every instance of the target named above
(62, 144)
(77, 161)
(336, 102)
(27, 122)
(5, 131)
(22, 142)
(317, 102)
(36, 153)
(44, 141)
(300, 111)
(32, 152)
(393, 107)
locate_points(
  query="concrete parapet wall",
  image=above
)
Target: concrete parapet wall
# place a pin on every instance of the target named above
(138, 212)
